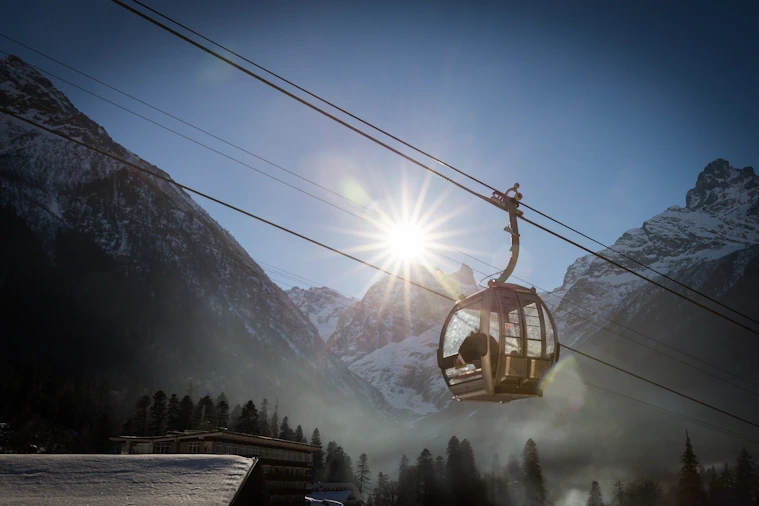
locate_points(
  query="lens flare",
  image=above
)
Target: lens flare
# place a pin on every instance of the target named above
(406, 241)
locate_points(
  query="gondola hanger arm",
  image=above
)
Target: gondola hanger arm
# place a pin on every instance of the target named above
(510, 202)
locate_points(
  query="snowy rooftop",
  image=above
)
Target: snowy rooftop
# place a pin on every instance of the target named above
(121, 479)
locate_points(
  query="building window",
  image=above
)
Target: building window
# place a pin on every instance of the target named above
(195, 447)
(161, 447)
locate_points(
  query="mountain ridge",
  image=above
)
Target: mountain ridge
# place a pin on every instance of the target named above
(721, 219)
(178, 292)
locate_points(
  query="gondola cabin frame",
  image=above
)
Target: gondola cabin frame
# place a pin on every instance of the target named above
(513, 359)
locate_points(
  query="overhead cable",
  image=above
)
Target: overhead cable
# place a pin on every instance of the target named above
(584, 384)
(425, 153)
(655, 271)
(296, 97)
(346, 255)
(627, 269)
(331, 104)
(407, 157)
(358, 216)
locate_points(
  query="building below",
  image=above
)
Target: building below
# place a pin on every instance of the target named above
(342, 493)
(287, 466)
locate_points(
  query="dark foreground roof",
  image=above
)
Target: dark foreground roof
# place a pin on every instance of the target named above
(140, 480)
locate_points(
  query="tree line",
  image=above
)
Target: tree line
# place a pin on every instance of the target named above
(455, 480)
(154, 416)
(450, 480)
(736, 485)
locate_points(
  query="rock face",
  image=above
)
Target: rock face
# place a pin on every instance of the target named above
(390, 337)
(105, 268)
(323, 306)
(719, 224)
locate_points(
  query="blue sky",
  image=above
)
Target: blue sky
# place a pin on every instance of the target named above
(604, 113)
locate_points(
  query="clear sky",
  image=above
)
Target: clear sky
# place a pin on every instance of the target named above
(604, 112)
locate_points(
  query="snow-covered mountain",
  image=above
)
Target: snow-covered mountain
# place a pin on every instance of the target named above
(107, 269)
(720, 219)
(133, 277)
(322, 305)
(390, 337)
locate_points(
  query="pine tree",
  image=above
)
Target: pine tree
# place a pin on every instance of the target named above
(440, 470)
(426, 485)
(594, 497)
(274, 422)
(690, 490)
(716, 493)
(158, 414)
(186, 410)
(338, 465)
(745, 479)
(128, 428)
(172, 413)
(328, 457)
(285, 432)
(141, 416)
(363, 476)
(473, 490)
(406, 485)
(727, 484)
(403, 466)
(236, 412)
(299, 437)
(619, 494)
(453, 469)
(263, 416)
(534, 488)
(222, 411)
(495, 481)
(380, 490)
(316, 440)
(392, 495)
(203, 416)
(642, 493)
(247, 422)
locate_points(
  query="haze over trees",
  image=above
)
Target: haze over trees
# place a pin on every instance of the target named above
(452, 478)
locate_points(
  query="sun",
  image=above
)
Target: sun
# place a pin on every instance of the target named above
(406, 241)
(403, 236)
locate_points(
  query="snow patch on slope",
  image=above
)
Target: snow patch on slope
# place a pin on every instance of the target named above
(323, 306)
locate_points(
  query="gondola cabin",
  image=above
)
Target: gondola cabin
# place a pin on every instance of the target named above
(498, 345)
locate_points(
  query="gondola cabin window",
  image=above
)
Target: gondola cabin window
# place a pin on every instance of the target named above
(464, 322)
(532, 325)
(512, 327)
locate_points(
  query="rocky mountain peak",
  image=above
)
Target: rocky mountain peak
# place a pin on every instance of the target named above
(465, 275)
(26, 91)
(322, 305)
(722, 188)
(116, 252)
